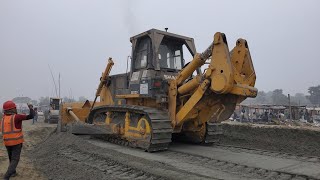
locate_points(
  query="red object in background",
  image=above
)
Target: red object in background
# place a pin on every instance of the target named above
(9, 105)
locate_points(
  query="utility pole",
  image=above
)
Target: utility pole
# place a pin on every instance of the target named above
(59, 85)
(290, 114)
(54, 82)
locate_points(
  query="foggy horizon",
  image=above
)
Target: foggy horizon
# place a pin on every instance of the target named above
(75, 38)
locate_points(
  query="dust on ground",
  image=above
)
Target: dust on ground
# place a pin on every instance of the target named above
(296, 140)
(66, 156)
(33, 134)
(50, 155)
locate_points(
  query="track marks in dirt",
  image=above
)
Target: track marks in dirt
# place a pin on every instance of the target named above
(292, 140)
(314, 159)
(229, 167)
(66, 156)
(112, 169)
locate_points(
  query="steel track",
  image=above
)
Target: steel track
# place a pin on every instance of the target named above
(158, 120)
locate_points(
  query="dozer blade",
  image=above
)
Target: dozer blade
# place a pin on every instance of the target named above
(89, 129)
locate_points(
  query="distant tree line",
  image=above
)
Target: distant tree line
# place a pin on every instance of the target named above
(276, 97)
(45, 101)
(314, 96)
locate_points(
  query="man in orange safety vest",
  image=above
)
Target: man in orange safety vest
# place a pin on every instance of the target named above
(11, 129)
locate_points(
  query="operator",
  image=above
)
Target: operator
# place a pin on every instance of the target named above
(11, 129)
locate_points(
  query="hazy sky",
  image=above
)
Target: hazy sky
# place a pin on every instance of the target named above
(75, 37)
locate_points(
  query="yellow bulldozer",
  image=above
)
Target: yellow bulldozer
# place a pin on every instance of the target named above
(162, 97)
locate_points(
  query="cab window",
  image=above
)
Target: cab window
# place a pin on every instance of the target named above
(170, 56)
(142, 54)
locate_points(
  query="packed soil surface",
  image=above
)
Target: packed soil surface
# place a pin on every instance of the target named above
(294, 140)
(66, 156)
(244, 152)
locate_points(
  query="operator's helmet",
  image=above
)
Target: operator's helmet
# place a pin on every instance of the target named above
(9, 105)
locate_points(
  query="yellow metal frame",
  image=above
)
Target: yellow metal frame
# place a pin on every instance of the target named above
(141, 131)
(191, 103)
(127, 96)
(226, 74)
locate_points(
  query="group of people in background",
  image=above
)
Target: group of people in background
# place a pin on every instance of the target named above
(268, 115)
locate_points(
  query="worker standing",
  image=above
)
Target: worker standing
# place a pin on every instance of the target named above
(35, 117)
(11, 129)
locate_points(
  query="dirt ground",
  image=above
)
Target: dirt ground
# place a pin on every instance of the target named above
(33, 134)
(65, 156)
(50, 155)
(302, 141)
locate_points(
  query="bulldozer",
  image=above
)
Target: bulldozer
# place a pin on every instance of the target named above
(51, 115)
(162, 97)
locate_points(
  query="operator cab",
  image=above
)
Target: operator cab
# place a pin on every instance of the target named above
(54, 103)
(159, 50)
(157, 57)
(168, 56)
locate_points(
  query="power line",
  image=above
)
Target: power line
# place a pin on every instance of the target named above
(54, 82)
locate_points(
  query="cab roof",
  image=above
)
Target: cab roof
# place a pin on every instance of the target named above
(157, 35)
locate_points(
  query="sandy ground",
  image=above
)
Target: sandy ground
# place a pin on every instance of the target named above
(262, 153)
(33, 134)
(65, 156)
(302, 141)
